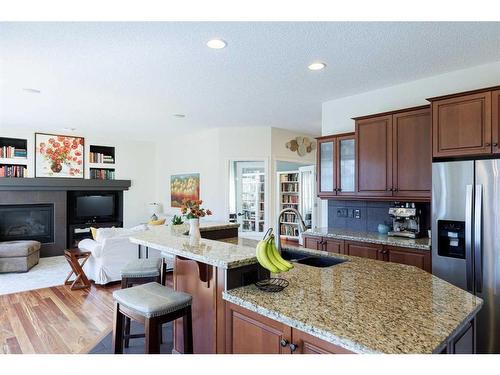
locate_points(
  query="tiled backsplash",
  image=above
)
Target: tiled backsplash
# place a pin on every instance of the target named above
(370, 213)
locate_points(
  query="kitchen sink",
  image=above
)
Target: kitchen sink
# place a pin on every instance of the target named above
(310, 260)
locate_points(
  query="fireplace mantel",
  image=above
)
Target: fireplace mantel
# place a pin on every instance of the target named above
(67, 184)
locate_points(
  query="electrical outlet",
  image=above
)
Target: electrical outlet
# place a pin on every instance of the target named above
(356, 213)
(342, 212)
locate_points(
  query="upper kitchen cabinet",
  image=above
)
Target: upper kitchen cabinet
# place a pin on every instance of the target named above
(495, 131)
(462, 124)
(336, 165)
(374, 156)
(327, 184)
(393, 154)
(346, 164)
(412, 161)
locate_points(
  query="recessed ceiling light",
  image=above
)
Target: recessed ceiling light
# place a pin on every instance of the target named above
(179, 115)
(33, 91)
(69, 129)
(216, 43)
(317, 66)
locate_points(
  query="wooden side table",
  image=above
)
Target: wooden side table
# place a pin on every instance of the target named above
(73, 256)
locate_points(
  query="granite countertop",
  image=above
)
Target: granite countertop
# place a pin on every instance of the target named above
(371, 237)
(366, 306)
(172, 239)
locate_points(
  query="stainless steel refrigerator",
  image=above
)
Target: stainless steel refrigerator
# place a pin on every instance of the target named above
(466, 237)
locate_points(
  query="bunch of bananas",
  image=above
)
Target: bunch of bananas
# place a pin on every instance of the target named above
(269, 257)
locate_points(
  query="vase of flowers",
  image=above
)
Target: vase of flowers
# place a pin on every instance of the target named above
(192, 210)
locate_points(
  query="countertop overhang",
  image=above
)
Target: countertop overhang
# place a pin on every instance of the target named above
(172, 239)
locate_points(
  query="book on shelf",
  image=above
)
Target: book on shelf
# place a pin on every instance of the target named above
(12, 152)
(289, 217)
(290, 199)
(99, 158)
(289, 230)
(13, 171)
(102, 174)
(289, 177)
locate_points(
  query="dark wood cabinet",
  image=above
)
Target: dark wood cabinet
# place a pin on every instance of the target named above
(305, 343)
(374, 156)
(250, 333)
(419, 259)
(335, 165)
(364, 250)
(333, 246)
(412, 154)
(461, 125)
(495, 121)
(326, 167)
(324, 243)
(394, 156)
(315, 243)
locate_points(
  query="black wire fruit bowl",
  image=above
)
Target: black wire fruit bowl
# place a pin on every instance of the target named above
(272, 285)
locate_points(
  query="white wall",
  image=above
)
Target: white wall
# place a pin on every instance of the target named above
(337, 113)
(216, 147)
(135, 161)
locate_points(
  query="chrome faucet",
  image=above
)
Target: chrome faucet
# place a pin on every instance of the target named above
(302, 225)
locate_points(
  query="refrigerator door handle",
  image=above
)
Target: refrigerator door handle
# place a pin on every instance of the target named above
(468, 237)
(478, 236)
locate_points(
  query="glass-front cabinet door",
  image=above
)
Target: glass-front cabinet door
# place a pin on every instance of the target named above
(346, 165)
(326, 166)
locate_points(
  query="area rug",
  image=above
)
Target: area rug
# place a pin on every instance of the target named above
(49, 271)
(136, 346)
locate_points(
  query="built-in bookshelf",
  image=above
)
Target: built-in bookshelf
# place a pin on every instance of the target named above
(13, 157)
(289, 196)
(253, 200)
(101, 162)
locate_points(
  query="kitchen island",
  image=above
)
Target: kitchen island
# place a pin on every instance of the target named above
(359, 306)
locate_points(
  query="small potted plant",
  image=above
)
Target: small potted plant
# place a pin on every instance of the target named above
(192, 210)
(177, 220)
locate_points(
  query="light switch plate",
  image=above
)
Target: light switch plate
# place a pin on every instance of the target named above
(356, 213)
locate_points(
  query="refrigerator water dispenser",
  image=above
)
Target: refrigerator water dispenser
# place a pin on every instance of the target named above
(451, 239)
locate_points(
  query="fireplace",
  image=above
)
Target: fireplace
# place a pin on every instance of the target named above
(27, 222)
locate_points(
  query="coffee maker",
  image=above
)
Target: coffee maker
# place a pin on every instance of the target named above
(405, 221)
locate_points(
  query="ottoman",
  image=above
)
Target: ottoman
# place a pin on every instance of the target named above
(18, 256)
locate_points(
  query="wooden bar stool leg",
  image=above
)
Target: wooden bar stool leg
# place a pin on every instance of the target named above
(127, 332)
(117, 330)
(151, 342)
(188, 331)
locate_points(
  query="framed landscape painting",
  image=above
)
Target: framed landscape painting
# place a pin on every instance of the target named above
(59, 156)
(184, 186)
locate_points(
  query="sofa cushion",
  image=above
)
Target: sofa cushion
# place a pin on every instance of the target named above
(18, 248)
(105, 233)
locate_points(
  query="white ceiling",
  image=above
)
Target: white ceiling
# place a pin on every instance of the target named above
(132, 77)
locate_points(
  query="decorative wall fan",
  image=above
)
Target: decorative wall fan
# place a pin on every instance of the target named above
(303, 145)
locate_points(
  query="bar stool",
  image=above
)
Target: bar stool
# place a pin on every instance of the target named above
(137, 272)
(153, 305)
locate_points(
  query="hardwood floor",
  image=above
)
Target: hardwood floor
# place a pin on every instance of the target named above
(55, 320)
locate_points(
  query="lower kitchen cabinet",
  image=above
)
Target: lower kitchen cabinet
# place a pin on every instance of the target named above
(250, 333)
(364, 250)
(315, 243)
(400, 255)
(324, 243)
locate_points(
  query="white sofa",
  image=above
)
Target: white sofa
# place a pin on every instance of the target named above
(111, 251)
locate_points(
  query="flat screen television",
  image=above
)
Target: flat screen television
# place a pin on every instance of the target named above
(95, 207)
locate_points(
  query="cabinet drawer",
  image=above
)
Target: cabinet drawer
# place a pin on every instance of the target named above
(364, 250)
(312, 242)
(419, 259)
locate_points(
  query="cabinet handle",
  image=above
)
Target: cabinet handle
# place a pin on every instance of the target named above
(284, 343)
(293, 347)
(495, 144)
(396, 189)
(339, 189)
(488, 145)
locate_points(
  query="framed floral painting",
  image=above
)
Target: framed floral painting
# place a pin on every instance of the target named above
(59, 156)
(184, 186)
